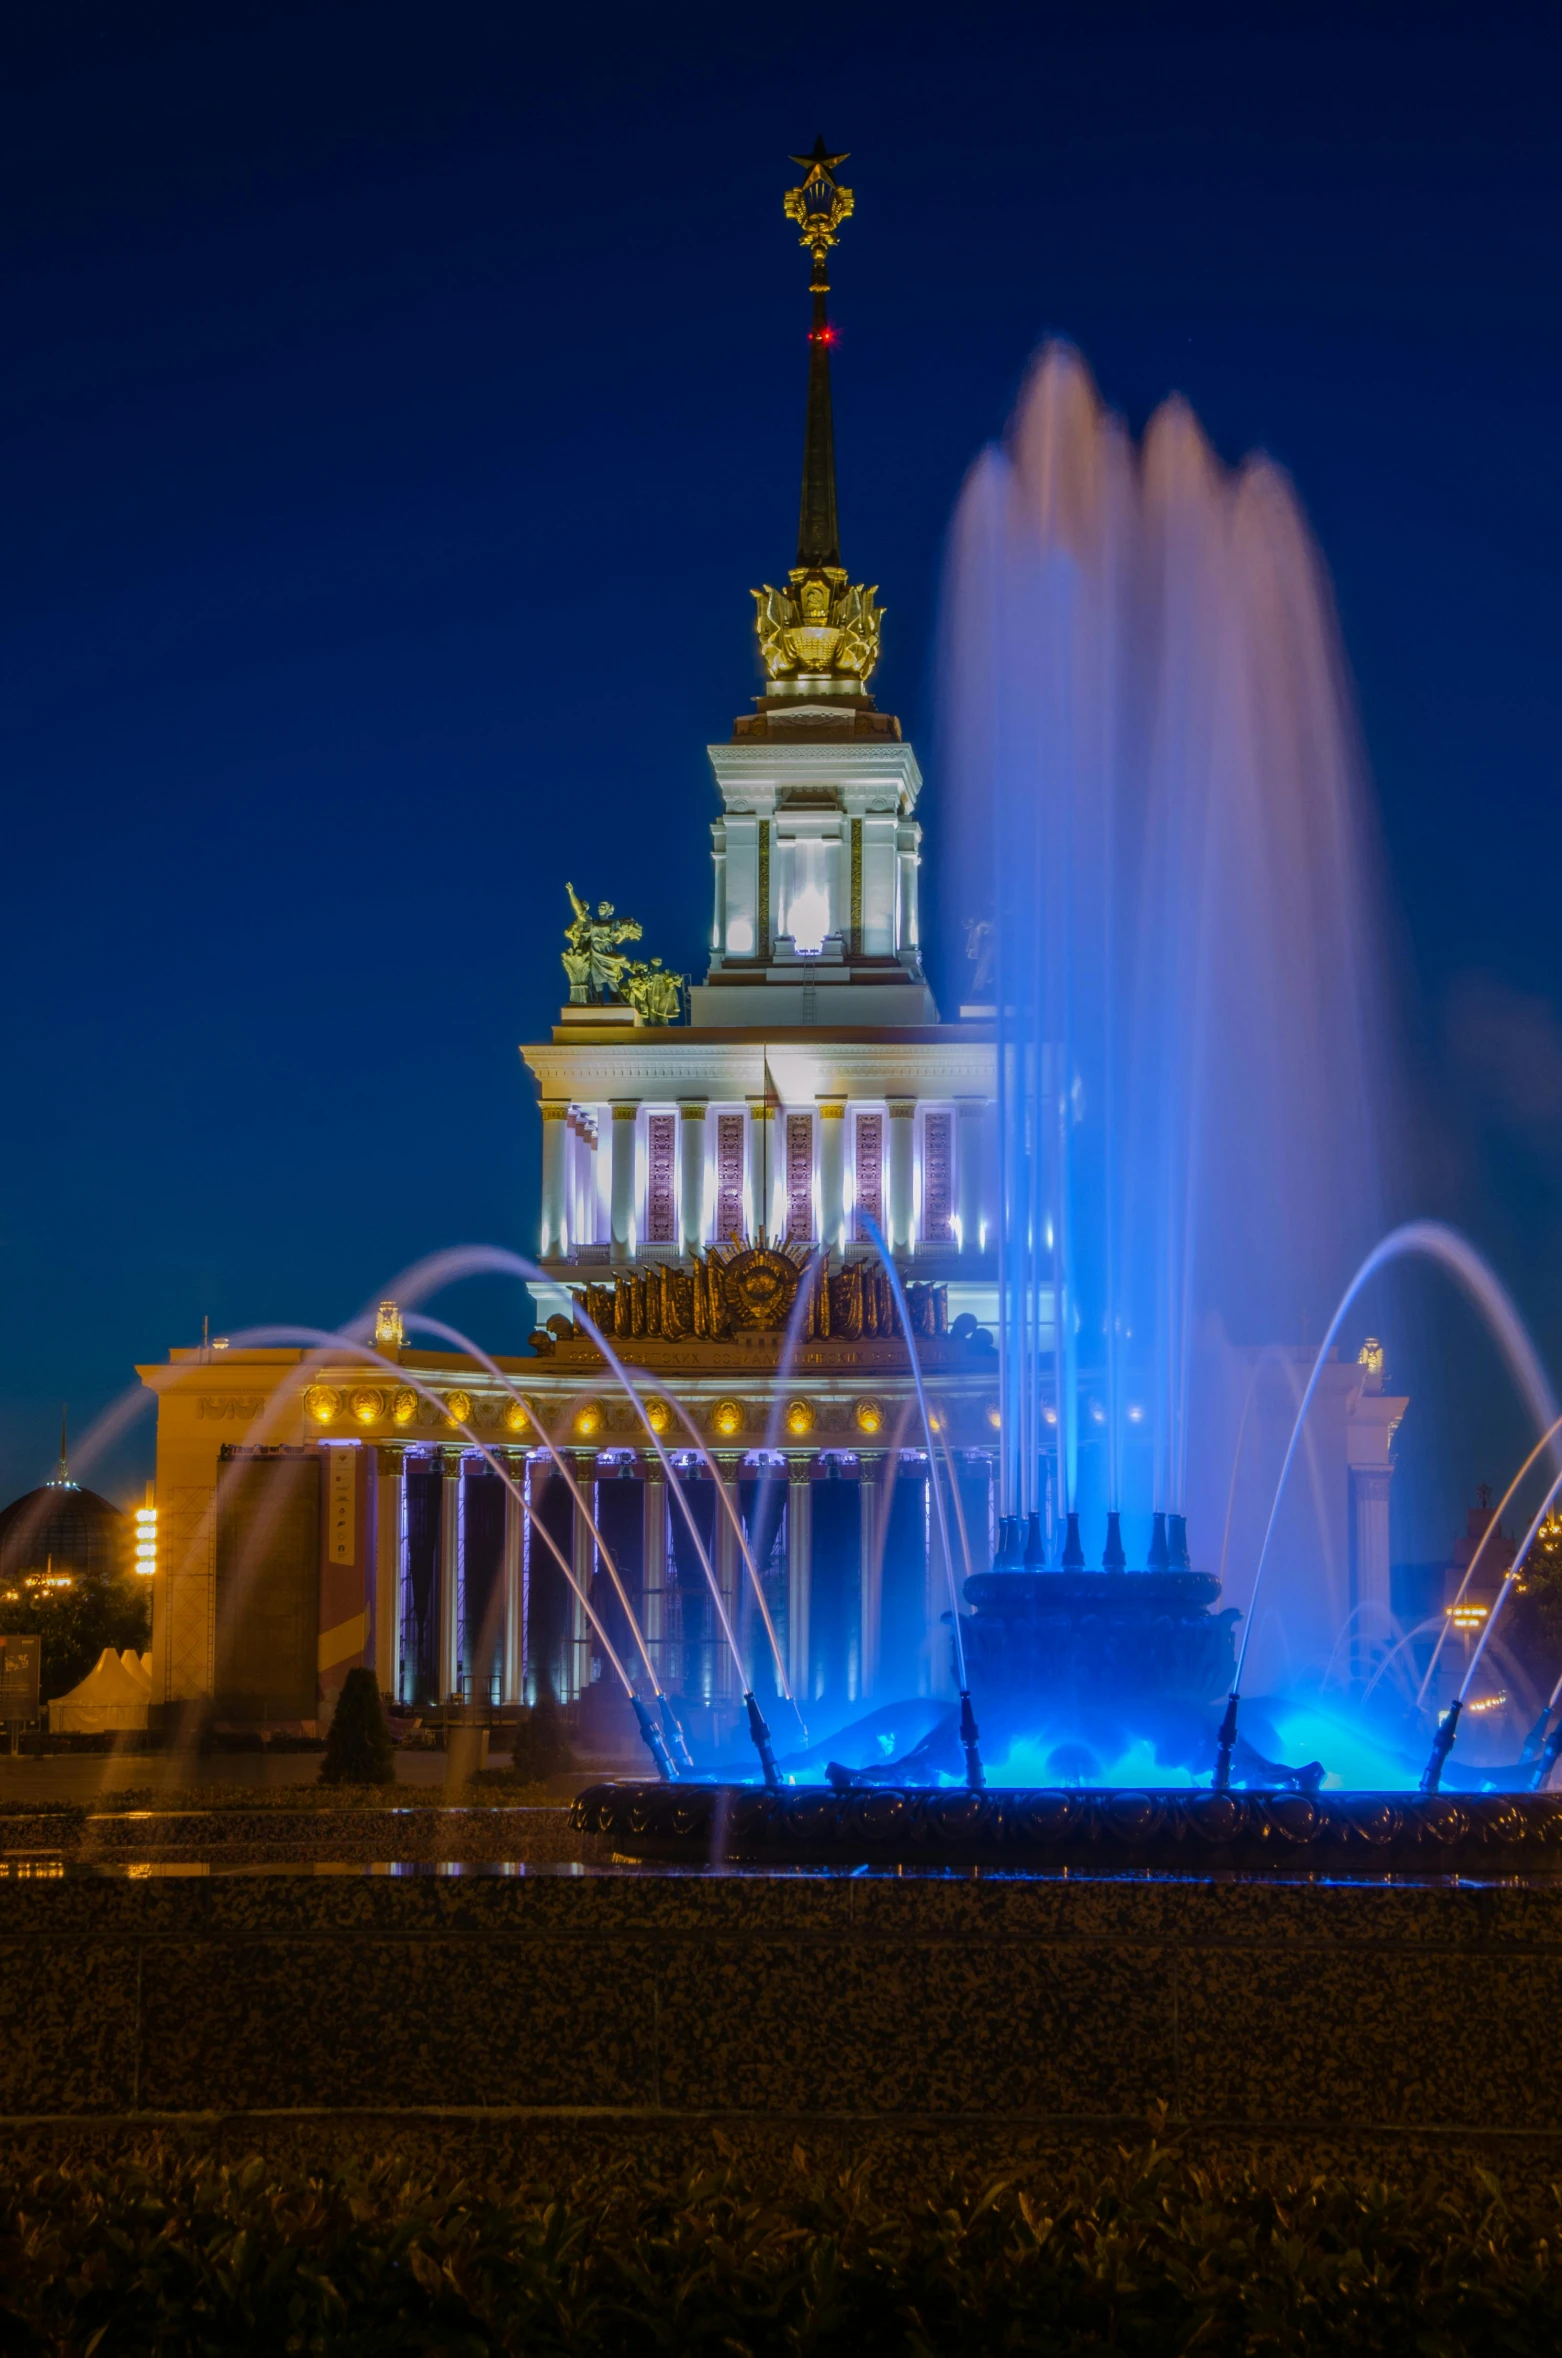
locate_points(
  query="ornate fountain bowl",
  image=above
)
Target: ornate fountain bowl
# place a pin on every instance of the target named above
(1060, 1638)
(1008, 1830)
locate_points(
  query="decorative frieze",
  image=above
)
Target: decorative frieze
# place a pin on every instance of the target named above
(661, 1210)
(868, 1175)
(938, 1178)
(730, 1145)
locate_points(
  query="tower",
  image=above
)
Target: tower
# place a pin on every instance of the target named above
(817, 848)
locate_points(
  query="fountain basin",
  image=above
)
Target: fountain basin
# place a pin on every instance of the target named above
(1178, 1831)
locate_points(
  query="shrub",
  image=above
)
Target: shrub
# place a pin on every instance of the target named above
(1150, 2255)
(541, 1749)
(358, 1746)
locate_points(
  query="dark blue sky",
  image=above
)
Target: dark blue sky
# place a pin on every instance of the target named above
(399, 402)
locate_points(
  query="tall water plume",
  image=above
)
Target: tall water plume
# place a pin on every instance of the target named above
(1158, 803)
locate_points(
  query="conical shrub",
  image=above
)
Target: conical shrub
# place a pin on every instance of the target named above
(358, 1748)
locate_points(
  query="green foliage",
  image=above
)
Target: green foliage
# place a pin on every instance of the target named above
(1148, 2255)
(358, 1745)
(76, 1623)
(541, 1748)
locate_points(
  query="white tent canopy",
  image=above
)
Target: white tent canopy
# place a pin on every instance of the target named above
(114, 1694)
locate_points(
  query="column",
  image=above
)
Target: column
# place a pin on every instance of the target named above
(870, 1480)
(762, 1166)
(583, 1552)
(554, 1236)
(726, 1560)
(653, 1575)
(691, 1198)
(968, 1170)
(799, 1571)
(908, 847)
(513, 1683)
(390, 1533)
(935, 1580)
(623, 1178)
(902, 1137)
(449, 1573)
(832, 1173)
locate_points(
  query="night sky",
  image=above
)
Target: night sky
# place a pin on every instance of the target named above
(399, 403)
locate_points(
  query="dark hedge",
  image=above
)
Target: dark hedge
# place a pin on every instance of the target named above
(173, 2253)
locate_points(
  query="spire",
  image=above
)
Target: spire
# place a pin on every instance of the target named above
(62, 1477)
(819, 207)
(821, 627)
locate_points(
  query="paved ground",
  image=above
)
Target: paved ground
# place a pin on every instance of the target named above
(82, 1777)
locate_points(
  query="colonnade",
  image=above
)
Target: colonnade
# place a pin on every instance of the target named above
(765, 1160)
(430, 1645)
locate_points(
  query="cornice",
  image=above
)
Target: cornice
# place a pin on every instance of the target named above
(799, 1070)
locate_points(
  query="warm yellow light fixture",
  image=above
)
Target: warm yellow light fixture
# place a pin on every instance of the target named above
(800, 1416)
(323, 1403)
(367, 1405)
(405, 1406)
(868, 1416)
(727, 1418)
(658, 1415)
(146, 1538)
(515, 1417)
(589, 1419)
(458, 1408)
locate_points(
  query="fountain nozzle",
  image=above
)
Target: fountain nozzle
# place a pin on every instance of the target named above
(1035, 1552)
(1177, 1542)
(652, 1736)
(677, 1742)
(970, 1737)
(1442, 1745)
(1114, 1557)
(1073, 1546)
(1011, 1544)
(1159, 1558)
(1225, 1741)
(1551, 1753)
(761, 1740)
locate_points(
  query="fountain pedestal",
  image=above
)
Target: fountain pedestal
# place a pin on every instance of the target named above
(1070, 1640)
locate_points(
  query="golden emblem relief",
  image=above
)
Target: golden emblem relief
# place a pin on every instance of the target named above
(821, 624)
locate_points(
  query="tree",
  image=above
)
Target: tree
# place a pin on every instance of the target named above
(76, 1623)
(358, 1747)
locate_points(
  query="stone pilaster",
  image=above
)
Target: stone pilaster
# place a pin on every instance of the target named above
(968, 1170)
(513, 1682)
(832, 1173)
(623, 1175)
(691, 1172)
(902, 1150)
(583, 1556)
(449, 1609)
(727, 1562)
(870, 1471)
(799, 1572)
(390, 1564)
(554, 1236)
(654, 1542)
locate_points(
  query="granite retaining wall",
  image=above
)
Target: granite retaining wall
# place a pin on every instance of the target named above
(550, 2009)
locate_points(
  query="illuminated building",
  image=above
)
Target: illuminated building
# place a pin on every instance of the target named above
(707, 1189)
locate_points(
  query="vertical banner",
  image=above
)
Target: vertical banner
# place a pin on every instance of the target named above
(868, 1175)
(800, 1177)
(730, 1141)
(938, 1178)
(346, 1574)
(661, 1215)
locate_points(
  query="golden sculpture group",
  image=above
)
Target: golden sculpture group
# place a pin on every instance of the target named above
(596, 964)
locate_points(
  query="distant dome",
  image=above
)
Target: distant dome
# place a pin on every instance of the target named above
(75, 1528)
